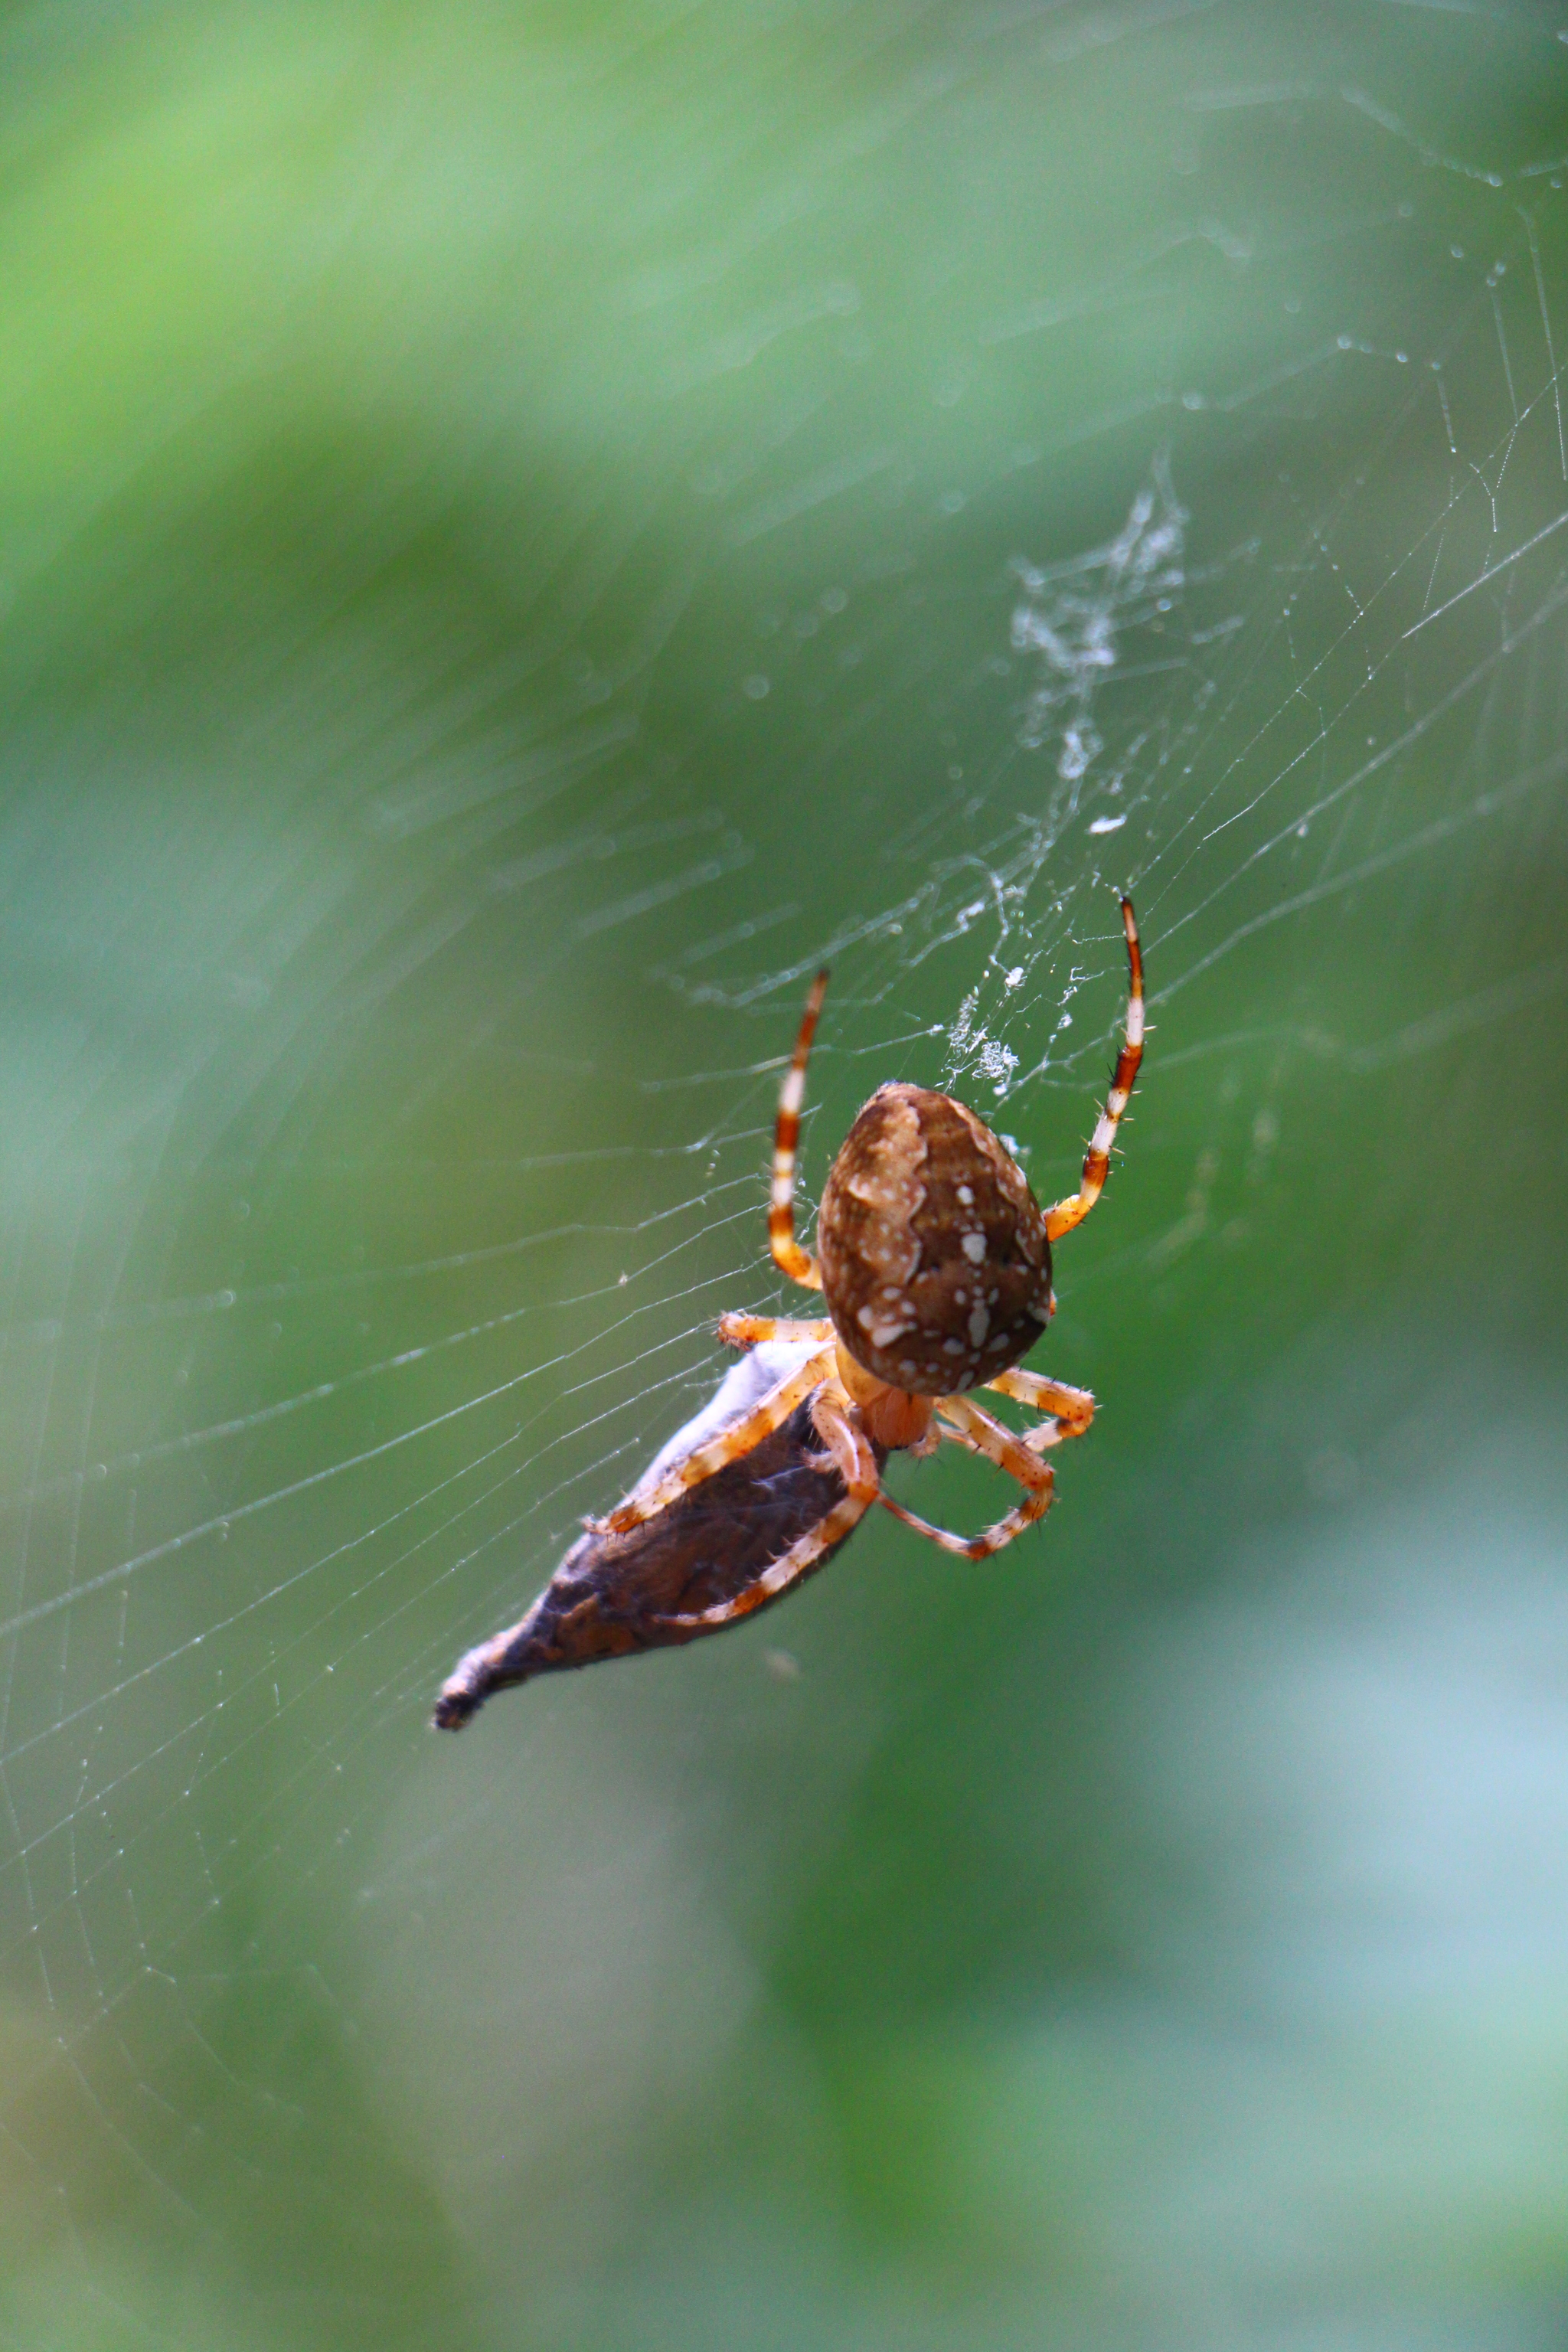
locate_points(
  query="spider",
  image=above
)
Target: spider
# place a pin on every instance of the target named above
(935, 1268)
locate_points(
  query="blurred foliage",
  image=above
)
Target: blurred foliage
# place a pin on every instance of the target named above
(508, 528)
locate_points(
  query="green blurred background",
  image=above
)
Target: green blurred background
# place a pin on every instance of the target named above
(520, 528)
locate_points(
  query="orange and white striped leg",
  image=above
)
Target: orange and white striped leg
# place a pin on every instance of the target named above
(750, 1330)
(1071, 1409)
(975, 1429)
(798, 1264)
(1038, 1440)
(646, 1501)
(1066, 1214)
(837, 1425)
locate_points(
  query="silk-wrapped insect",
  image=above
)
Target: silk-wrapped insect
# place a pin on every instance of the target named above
(655, 1584)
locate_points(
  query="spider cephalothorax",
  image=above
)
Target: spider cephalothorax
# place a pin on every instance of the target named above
(936, 1273)
(935, 1265)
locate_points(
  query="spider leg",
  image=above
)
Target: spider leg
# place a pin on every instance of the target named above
(997, 1443)
(974, 1428)
(1066, 1214)
(1073, 1409)
(954, 1436)
(798, 1264)
(750, 1331)
(1039, 1440)
(837, 1425)
(774, 1410)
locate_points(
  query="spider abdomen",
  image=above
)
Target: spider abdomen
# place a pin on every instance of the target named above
(935, 1265)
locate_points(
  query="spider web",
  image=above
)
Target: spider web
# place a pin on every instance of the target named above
(392, 1041)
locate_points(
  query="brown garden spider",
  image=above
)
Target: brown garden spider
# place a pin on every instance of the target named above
(935, 1268)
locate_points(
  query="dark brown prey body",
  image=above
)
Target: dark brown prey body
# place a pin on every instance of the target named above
(614, 1594)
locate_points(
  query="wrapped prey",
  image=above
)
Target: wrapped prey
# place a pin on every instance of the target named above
(693, 1565)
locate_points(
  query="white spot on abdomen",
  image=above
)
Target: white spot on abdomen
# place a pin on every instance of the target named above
(974, 1248)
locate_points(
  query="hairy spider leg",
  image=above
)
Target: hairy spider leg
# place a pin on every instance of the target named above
(1072, 1408)
(837, 1422)
(750, 1330)
(788, 1255)
(1039, 1440)
(644, 1502)
(1066, 1214)
(974, 1428)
